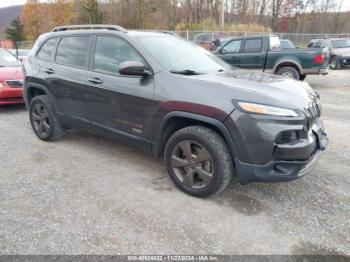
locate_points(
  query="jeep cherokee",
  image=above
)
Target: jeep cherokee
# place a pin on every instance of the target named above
(170, 97)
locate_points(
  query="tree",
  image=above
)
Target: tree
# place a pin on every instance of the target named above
(57, 13)
(93, 9)
(31, 19)
(15, 32)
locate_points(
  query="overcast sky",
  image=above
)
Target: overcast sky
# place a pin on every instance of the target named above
(3, 3)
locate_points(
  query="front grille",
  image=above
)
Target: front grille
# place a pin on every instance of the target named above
(313, 112)
(14, 83)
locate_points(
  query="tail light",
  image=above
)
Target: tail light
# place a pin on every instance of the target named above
(319, 59)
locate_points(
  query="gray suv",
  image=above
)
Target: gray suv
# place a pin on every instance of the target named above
(175, 100)
(339, 51)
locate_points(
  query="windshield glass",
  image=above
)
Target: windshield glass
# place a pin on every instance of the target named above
(23, 52)
(8, 60)
(179, 55)
(341, 43)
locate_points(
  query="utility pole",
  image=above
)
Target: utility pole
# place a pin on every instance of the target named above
(222, 13)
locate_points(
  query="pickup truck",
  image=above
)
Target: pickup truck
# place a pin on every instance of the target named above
(265, 53)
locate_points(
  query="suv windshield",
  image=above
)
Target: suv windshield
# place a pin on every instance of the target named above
(341, 43)
(178, 55)
(8, 60)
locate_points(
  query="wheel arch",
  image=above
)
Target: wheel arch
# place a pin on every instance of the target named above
(177, 120)
(285, 63)
(32, 90)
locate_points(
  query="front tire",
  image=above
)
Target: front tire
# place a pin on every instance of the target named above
(289, 72)
(44, 120)
(198, 161)
(335, 63)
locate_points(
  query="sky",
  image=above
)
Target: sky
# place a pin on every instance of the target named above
(4, 3)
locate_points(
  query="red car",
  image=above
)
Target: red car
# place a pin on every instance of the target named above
(11, 79)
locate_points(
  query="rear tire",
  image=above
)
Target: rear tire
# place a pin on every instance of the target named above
(335, 63)
(44, 120)
(302, 77)
(289, 72)
(198, 161)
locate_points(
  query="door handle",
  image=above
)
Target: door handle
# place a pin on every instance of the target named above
(95, 80)
(49, 71)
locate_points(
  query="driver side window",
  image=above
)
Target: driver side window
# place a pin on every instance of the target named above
(232, 47)
(318, 44)
(111, 52)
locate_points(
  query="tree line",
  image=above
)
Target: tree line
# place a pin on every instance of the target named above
(296, 16)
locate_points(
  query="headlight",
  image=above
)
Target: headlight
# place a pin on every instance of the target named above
(266, 110)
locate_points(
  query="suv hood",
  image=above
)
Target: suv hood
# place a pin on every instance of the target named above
(11, 73)
(263, 88)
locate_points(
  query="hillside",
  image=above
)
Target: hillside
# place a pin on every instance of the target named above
(7, 14)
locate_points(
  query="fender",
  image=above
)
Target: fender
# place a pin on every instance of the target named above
(38, 86)
(209, 120)
(290, 61)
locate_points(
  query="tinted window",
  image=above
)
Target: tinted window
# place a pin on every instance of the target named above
(72, 50)
(318, 44)
(111, 52)
(253, 45)
(343, 43)
(47, 49)
(233, 46)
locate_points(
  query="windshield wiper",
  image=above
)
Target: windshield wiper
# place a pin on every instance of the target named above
(187, 72)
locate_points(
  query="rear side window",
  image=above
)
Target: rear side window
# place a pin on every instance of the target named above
(48, 48)
(72, 50)
(253, 45)
(111, 52)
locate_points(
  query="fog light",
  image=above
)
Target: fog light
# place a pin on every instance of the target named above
(286, 137)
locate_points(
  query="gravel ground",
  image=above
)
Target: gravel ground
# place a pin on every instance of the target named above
(89, 195)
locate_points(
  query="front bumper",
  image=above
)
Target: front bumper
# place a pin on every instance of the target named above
(262, 160)
(345, 60)
(10, 95)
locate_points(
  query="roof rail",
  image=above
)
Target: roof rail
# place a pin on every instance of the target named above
(82, 27)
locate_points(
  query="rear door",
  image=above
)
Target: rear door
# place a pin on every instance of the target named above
(252, 55)
(120, 106)
(230, 52)
(66, 78)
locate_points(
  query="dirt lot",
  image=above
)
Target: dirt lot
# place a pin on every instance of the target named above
(88, 195)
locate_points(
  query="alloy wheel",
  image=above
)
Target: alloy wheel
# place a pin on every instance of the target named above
(40, 118)
(192, 164)
(288, 75)
(334, 63)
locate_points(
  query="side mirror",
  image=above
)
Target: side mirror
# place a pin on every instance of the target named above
(133, 68)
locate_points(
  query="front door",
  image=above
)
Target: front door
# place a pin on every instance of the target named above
(230, 52)
(120, 106)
